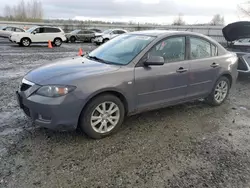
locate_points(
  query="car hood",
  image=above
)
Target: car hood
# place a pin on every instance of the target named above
(68, 70)
(236, 30)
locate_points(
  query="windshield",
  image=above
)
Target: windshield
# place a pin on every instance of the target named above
(31, 29)
(122, 49)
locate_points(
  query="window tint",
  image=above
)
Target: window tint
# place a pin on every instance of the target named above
(51, 30)
(199, 48)
(171, 49)
(120, 32)
(88, 32)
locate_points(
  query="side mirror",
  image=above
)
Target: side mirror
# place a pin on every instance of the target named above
(154, 60)
(34, 32)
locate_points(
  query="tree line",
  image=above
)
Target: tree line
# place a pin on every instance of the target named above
(24, 11)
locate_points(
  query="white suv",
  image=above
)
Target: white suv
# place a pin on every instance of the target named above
(39, 34)
(107, 35)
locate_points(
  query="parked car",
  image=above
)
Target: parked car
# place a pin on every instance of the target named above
(81, 35)
(131, 73)
(107, 35)
(6, 31)
(39, 34)
(238, 36)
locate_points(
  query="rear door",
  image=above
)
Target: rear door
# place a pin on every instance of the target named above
(204, 66)
(51, 33)
(166, 84)
(81, 35)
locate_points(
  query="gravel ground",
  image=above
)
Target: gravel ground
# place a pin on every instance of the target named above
(189, 145)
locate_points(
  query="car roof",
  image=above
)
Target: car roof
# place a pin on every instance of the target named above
(158, 33)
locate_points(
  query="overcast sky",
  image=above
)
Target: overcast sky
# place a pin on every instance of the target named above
(160, 11)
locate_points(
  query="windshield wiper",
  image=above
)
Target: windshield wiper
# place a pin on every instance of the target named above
(97, 59)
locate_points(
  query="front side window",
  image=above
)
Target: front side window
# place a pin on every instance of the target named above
(122, 49)
(171, 49)
(199, 48)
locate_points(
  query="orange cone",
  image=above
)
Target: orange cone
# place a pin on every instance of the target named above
(50, 44)
(80, 53)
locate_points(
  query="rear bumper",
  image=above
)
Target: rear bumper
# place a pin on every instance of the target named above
(59, 113)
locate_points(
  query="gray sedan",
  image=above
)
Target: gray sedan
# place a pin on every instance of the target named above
(134, 72)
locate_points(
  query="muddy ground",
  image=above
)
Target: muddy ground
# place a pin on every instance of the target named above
(189, 145)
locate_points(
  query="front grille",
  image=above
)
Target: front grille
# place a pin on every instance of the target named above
(24, 87)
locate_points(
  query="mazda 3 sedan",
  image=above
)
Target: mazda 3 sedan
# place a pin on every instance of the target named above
(134, 72)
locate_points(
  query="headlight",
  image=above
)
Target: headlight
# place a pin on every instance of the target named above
(54, 90)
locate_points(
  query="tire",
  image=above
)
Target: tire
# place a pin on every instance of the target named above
(92, 40)
(212, 99)
(25, 42)
(91, 116)
(57, 42)
(105, 40)
(72, 39)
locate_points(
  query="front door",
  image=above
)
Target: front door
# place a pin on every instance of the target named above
(165, 84)
(39, 35)
(204, 67)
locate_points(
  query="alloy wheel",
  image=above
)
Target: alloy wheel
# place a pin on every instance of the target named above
(221, 91)
(105, 117)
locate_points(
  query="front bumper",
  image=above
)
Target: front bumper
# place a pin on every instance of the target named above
(59, 113)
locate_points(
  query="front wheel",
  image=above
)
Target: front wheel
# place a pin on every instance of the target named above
(58, 42)
(102, 116)
(220, 92)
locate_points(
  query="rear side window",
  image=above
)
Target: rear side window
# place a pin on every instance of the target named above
(18, 30)
(52, 30)
(199, 48)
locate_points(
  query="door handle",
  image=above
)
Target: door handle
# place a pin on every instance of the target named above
(181, 70)
(214, 65)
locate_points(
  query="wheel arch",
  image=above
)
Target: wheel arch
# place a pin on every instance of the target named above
(26, 38)
(228, 76)
(114, 92)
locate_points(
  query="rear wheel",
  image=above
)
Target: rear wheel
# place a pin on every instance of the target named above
(72, 39)
(102, 116)
(25, 42)
(220, 92)
(57, 42)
